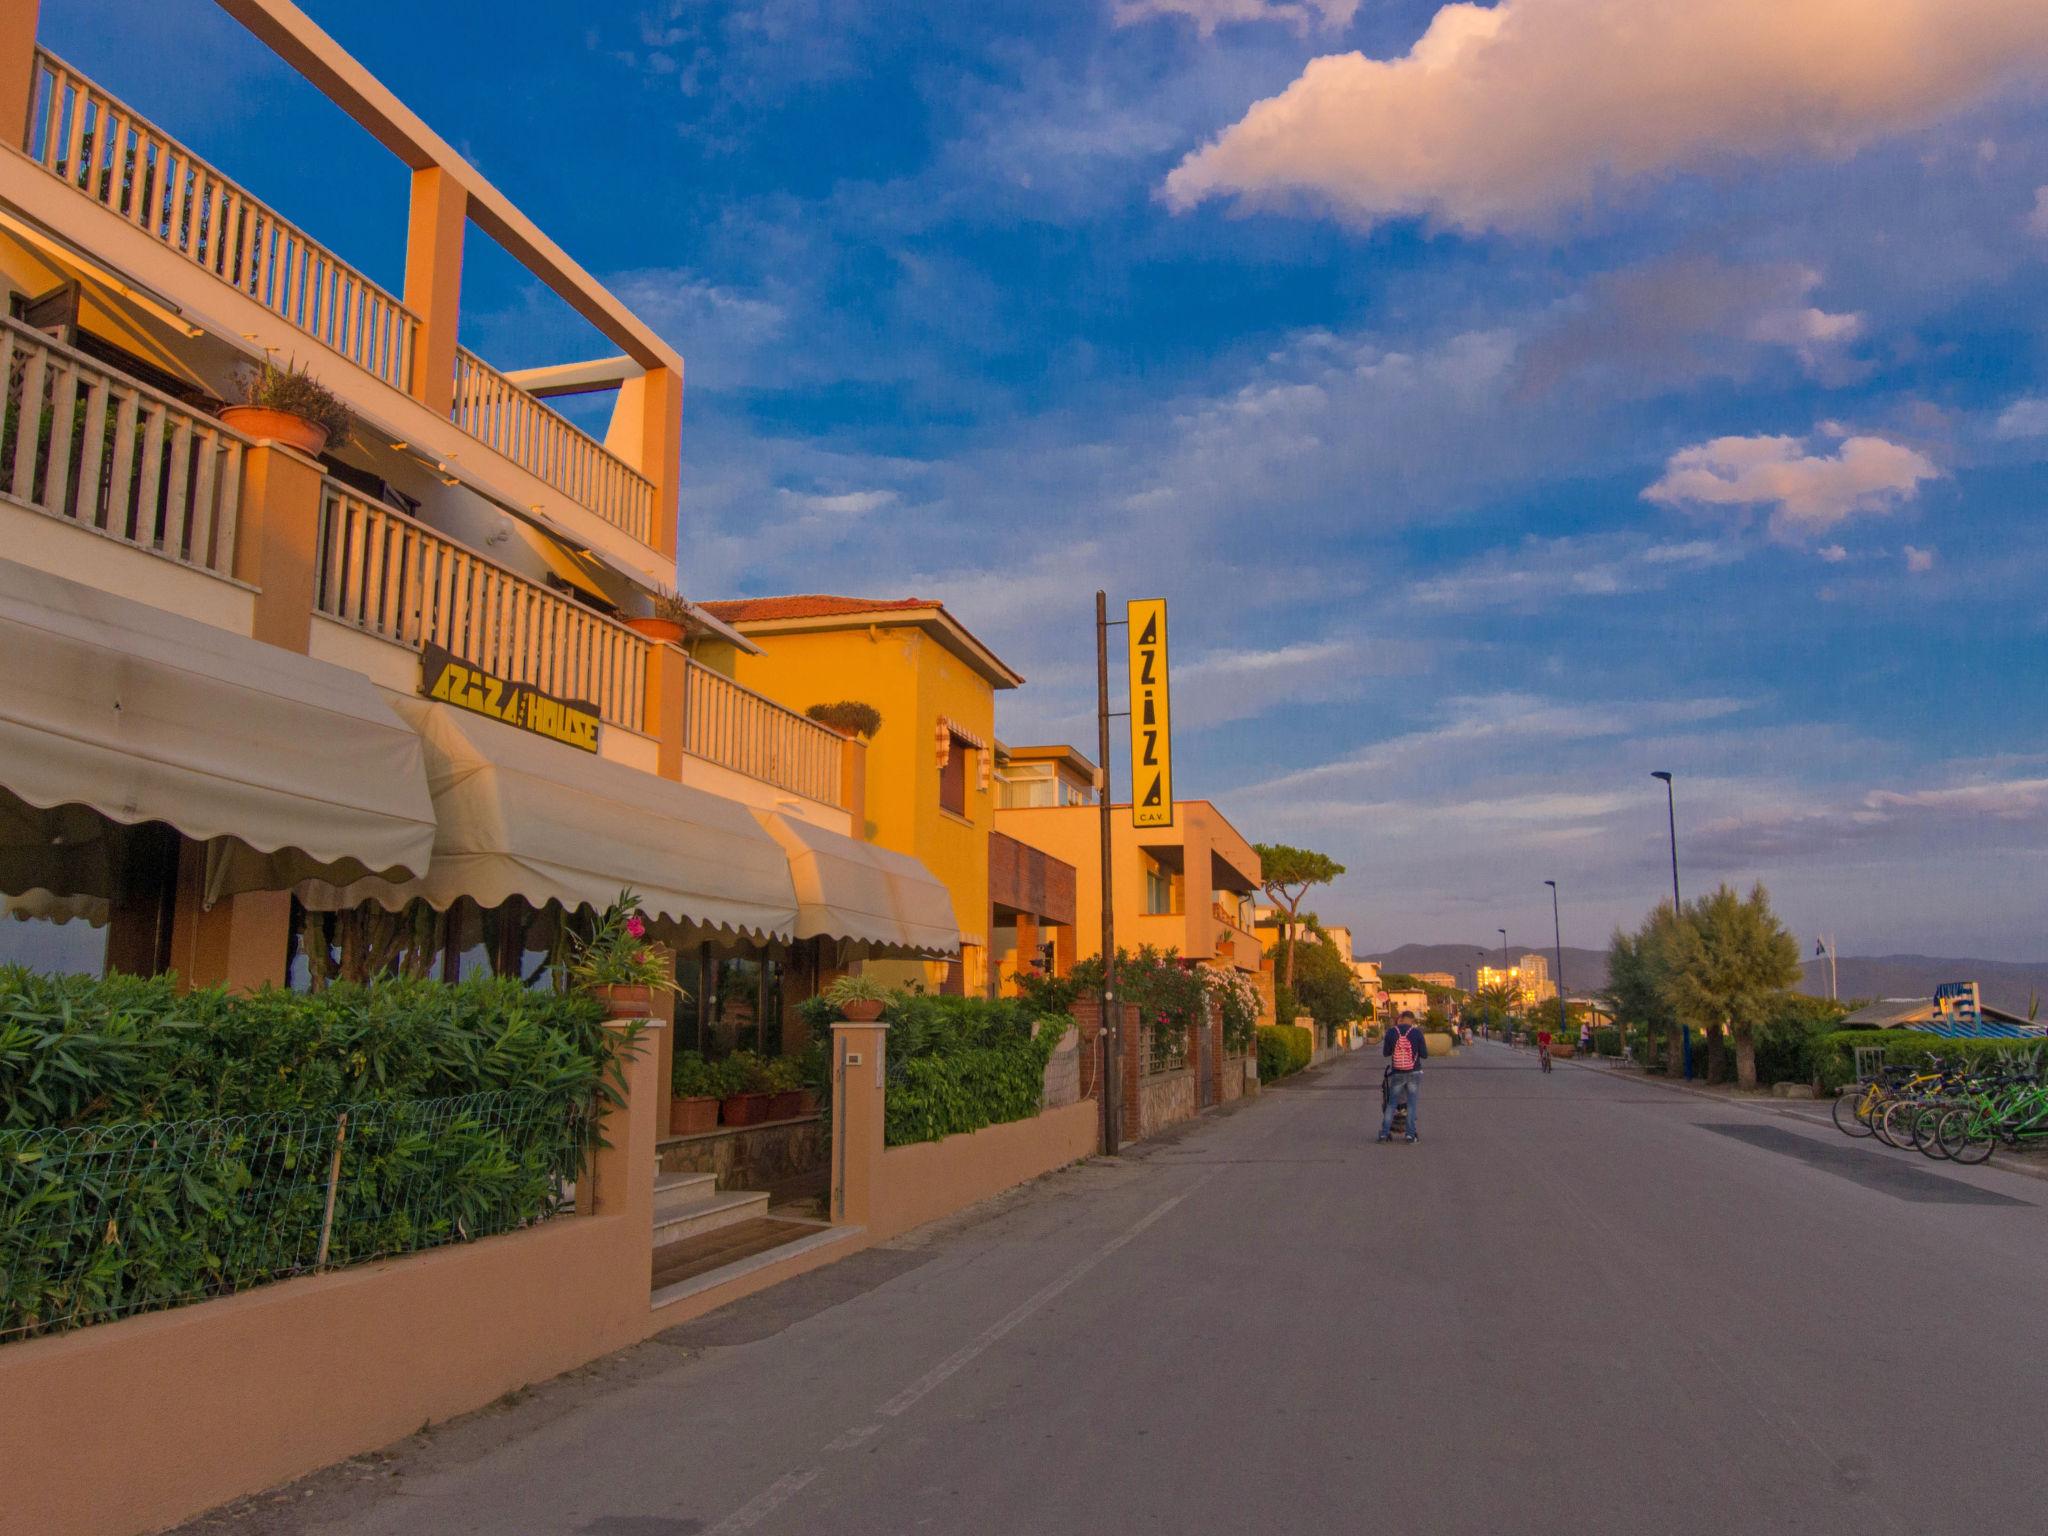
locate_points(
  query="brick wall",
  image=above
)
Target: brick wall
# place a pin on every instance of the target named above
(1025, 879)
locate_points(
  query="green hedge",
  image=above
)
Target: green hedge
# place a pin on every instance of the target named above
(1283, 1049)
(1910, 1048)
(78, 1050)
(957, 1064)
(158, 1148)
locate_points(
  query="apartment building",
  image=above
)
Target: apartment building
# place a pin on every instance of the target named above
(276, 704)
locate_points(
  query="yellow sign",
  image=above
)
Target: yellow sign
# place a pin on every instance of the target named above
(448, 678)
(1151, 733)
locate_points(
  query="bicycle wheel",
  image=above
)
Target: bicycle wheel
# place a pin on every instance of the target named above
(1895, 1126)
(1852, 1113)
(1965, 1137)
(1927, 1130)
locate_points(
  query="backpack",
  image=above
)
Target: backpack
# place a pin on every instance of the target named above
(1404, 1049)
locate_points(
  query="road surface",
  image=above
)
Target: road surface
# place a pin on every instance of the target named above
(1583, 1303)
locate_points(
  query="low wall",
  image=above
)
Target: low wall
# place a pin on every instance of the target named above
(751, 1156)
(1231, 1079)
(1166, 1098)
(921, 1183)
(1063, 1073)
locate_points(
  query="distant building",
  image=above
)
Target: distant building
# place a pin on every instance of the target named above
(1437, 979)
(1368, 973)
(1529, 981)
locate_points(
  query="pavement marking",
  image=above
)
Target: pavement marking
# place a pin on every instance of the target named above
(783, 1489)
(960, 1359)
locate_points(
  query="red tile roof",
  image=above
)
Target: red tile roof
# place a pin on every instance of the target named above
(809, 605)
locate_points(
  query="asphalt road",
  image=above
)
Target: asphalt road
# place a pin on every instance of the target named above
(1581, 1304)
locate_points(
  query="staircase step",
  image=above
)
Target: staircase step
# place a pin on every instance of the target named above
(675, 1193)
(709, 1215)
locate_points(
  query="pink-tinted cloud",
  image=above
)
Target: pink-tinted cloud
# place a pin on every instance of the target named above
(1501, 114)
(1806, 493)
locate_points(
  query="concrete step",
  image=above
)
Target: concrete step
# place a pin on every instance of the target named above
(675, 1193)
(708, 1215)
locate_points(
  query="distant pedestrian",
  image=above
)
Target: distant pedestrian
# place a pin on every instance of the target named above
(1543, 1048)
(1406, 1049)
(1585, 1039)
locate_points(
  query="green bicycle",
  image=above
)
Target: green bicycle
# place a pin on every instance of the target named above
(2014, 1114)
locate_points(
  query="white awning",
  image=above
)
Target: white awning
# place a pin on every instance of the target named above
(286, 767)
(850, 890)
(517, 815)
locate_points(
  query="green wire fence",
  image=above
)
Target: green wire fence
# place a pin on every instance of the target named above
(103, 1221)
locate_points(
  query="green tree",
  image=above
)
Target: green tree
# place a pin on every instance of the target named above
(1288, 875)
(1325, 987)
(1639, 977)
(1494, 1004)
(1730, 962)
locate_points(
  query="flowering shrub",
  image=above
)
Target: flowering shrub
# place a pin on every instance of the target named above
(1237, 997)
(616, 953)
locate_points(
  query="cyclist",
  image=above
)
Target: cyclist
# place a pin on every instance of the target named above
(1543, 1048)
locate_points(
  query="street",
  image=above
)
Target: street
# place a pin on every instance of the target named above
(1583, 1303)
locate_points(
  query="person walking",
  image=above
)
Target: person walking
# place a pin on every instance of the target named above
(1406, 1049)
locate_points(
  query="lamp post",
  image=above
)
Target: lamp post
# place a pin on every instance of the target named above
(1671, 814)
(1564, 1018)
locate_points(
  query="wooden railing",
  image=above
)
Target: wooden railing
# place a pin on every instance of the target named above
(88, 444)
(393, 576)
(740, 729)
(501, 415)
(93, 142)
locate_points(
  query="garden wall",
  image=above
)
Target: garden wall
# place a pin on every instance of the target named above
(1167, 1098)
(921, 1183)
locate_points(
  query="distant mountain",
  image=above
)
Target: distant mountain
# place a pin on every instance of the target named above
(2004, 984)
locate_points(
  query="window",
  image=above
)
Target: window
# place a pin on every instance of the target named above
(953, 777)
(1028, 784)
(1162, 890)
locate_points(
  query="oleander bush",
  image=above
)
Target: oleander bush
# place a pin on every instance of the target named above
(957, 1064)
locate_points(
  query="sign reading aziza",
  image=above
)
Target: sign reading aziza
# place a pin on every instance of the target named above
(1151, 736)
(452, 680)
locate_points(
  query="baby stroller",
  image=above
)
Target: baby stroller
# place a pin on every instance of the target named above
(1387, 1092)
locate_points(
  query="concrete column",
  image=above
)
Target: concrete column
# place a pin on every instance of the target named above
(17, 67)
(667, 701)
(659, 453)
(435, 225)
(1027, 943)
(276, 542)
(859, 1064)
(853, 784)
(239, 942)
(620, 1180)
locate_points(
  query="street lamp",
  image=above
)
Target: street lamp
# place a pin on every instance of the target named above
(1671, 813)
(1557, 930)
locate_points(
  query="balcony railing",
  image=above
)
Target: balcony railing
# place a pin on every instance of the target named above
(393, 576)
(740, 729)
(111, 153)
(93, 142)
(90, 445)
(501, 415)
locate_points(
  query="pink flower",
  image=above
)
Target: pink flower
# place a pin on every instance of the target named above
(636, 926)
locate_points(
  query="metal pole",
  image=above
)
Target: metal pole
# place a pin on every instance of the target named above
(1677, 902)
(1112, 1030)
(1564, 1019)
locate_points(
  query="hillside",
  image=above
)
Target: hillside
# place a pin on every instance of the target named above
(2004, 983)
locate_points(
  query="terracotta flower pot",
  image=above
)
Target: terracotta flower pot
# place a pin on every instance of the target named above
(626, 1002)
(745, 1108)
(666, 631)
(789, 1103)
(863, 1010)
(294, 431)
(692, 1116)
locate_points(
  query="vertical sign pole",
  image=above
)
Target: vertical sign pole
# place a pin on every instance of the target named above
(1112, 1027)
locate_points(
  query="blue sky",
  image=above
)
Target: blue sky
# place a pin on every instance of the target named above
(1508, 403)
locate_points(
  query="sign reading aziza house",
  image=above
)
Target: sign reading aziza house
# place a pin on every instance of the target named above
(452, 680)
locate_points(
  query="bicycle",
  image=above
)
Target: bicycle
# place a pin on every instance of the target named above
(2018, 1113)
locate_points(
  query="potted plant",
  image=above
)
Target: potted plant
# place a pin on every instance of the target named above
(859, 999)
(665, 623)
(748, 1099)
(786, 1080)
(617, 965)
(694, 1086)
(849, 717)
(290, 406)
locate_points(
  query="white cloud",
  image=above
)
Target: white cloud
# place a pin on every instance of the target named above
(1539, 572)
(1834, 554)
(2037, 219)
(1499, 115)
(843, 504)
(1807, 493)
(1919, 561)
(2024, 418)
(1208, 15)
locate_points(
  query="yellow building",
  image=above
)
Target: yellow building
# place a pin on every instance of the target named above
(1187, 887)
(930, 769)
(1530, 982)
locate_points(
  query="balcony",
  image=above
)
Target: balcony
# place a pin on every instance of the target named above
(392, 576)
(111, 155)
(728, 724)
(94, 448)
